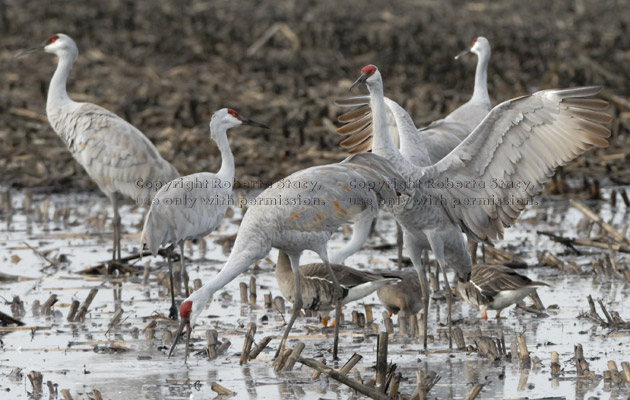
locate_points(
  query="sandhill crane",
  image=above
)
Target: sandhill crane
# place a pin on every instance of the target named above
(439, 138)
(489, 178)
(474, 110)
(494, 287)
(116, 155)
(192, 206)
(318, 289)
(299, 213)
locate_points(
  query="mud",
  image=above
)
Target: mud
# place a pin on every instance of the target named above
(167, 66)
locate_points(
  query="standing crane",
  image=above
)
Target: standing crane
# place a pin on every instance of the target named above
(439, 138)
(116, 155)
(474, 110)
(192, 206)
(484, 183)
(297, 213)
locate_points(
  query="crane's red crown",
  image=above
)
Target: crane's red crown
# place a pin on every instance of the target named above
(474, 41)
(368, 70)
(232, 113)
(185, 309)
(52, 39)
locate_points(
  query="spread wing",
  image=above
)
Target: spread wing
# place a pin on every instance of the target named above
(504, 162)
(422, 147)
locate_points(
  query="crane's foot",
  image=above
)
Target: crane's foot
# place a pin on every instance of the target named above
(484, 315)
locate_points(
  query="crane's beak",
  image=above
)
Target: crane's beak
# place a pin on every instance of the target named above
(463, 53)
(359, 81)
(30, 50)
(246, 121)
(180, 331)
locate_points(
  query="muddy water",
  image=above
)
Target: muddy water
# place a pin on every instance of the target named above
(121, 363)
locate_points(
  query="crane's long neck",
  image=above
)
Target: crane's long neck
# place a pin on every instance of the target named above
(250, 245)
(57, 94)
(236, 264)
(227, 159)
(381, 142)
(412, 144)
(480, 93)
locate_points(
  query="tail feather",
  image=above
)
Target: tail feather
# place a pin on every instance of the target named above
(154, 233)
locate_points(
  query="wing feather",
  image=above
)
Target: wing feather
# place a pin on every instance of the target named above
(514, 151)
(113, 152)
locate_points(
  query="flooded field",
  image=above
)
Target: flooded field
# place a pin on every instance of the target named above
(64, 234)
(97, 332)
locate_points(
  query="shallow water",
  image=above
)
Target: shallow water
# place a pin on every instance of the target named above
(80, 357)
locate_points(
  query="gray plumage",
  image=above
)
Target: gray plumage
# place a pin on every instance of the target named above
(300, 212)
(116, 155)
(512, 153)
(178, 214)
(495, 287)
(488, 179)
(474, 110)
(441, 136)
(422, 147)
(503, 163)
(192, 206)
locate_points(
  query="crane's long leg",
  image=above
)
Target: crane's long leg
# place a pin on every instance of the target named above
(415, 253)
(172, 314)
(399, 244)
(119, 226)
(115, 226)
(297, 302)
(324, 258)
(183, 268)
(437, 245)
(472, 249)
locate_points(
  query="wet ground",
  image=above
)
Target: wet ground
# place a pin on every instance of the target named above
(121, 362)
(166, 66)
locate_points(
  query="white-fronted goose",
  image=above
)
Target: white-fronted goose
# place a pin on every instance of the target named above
(496, 287)
(318, 290)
